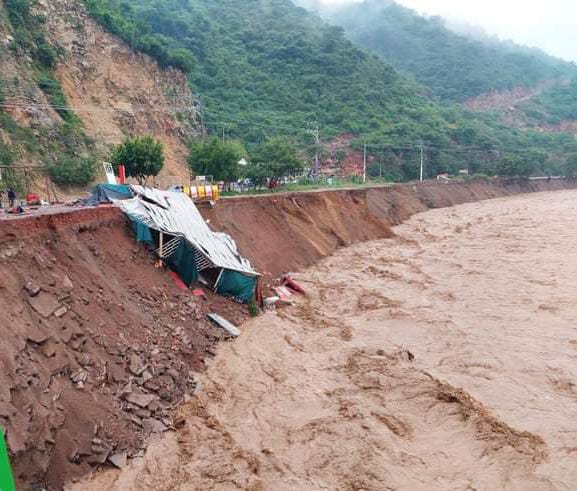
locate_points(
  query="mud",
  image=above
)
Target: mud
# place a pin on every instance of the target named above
(442, 358)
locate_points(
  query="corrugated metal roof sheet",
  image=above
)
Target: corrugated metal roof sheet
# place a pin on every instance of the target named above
(176, 214)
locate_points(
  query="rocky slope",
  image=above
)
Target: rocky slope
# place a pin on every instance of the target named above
(98, 346)
(114, 91)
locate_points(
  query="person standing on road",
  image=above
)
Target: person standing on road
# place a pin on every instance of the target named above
(11, 197)
(1, 197)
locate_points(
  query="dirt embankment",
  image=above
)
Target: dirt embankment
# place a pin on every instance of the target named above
(99, 347)
(286, 232)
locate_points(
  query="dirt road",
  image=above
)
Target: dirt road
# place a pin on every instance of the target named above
(445, 358)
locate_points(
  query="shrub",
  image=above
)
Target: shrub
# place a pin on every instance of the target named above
(72, 171)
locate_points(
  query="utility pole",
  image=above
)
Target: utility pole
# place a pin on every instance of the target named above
(365, 163)
(316, 133)
(422, 160)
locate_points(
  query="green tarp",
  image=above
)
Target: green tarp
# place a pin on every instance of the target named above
(236, 285)
(183, 262)
(6, 479)
(142, 232)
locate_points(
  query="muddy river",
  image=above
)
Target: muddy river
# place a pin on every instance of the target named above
(445, 358)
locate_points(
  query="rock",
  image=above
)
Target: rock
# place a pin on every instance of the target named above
(135, 419)
(115, 373)
(61, 312)
(173, 373)
(67, 283)
(44, 303)
(179, 422)
(83, 359)
(154, 406)
(79, 376)
(140, 400)
(136, 365)
(146, 376)
(100, 454)
(77, 342)
(127, 389)
(118, 459)
(32, 289)
(153, 426)
(73, 455)
(143, 413)
(49, 348)
(36, 335)
(152, 385)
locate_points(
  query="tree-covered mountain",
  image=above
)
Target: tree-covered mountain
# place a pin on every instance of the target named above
(262, 66)
(554, 106)
(454, 67)
(269, 68)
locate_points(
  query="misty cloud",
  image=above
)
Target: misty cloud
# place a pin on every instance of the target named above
(547, 24)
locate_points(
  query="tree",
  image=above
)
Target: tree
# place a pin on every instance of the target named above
(279, 157)
(142, 157)
(515, 166)
(217, 159)
(571, 166)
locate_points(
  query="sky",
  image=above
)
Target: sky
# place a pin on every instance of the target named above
(547, 24)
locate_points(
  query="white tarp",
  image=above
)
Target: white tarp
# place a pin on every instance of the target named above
(176, 214)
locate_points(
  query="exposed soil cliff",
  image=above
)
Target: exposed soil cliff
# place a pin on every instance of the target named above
(285, 232)
(112, 89)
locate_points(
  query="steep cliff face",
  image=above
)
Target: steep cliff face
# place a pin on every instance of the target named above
(113, 90)
(130, 93)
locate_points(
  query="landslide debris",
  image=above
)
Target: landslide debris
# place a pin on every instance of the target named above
(98, 348)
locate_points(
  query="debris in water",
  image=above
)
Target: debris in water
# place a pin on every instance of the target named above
(293, 285)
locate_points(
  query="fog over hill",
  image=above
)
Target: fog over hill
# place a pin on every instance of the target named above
(454, 66)
(544, 24)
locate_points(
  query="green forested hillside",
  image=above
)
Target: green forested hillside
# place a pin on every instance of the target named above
(267, 68)
(271, 63)
(452, 66)
(553, 106)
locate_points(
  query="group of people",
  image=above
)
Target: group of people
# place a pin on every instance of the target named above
(11, 194)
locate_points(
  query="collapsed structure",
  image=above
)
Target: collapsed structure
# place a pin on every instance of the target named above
(171, 223)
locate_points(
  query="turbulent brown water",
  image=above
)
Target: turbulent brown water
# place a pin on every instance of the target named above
(445, 358)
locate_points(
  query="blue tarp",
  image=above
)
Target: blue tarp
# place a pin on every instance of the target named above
(106, 193)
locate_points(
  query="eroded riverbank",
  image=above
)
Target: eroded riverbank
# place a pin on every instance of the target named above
(444, 358)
